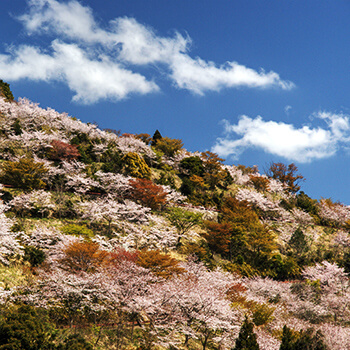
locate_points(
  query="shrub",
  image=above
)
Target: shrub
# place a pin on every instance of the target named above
(303, 340)
(77, 230)
(192, 166)
(24, 173)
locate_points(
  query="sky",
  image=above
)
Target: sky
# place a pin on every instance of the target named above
(253, 81)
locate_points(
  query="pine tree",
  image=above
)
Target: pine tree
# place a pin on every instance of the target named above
(157, 136)
(247, 338)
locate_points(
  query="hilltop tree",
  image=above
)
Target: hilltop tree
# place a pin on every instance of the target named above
(287, 174)
(156, 136)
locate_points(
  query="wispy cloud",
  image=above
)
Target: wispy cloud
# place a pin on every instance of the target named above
(90, 57)
(285, 140)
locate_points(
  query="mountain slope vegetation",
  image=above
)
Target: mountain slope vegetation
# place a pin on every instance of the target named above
(114, 241)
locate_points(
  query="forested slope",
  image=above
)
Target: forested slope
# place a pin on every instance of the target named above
(113, 241)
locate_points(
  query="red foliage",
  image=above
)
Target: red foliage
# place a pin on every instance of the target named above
(147, 193)
(63, 151)
(121, 255)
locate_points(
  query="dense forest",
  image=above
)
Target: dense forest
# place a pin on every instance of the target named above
(123, 241)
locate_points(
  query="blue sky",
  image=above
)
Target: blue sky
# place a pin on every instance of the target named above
(254, 81)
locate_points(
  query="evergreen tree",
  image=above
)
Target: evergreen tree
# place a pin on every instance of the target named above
(247, 338)
(157, 136)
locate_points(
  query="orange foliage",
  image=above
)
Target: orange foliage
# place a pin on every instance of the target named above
(83, 256)
(162, 265)
(218, 237)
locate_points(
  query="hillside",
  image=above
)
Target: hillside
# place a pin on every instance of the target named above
(129, 241)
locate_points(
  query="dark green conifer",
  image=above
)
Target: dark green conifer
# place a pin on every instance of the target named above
(247, 338)
(157, 136)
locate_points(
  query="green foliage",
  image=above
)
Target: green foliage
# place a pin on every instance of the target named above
(112, 161)
(303, 340)
(167, 178)
(262, 314)
(247, 338)
(135, 166)
(183, 220)
(288, 339)
(17, 127)
(75, 342)
(283, 268)
(192, 166)
(24, 173)
(85, 147)
(304, 202)
(34, 256)
(24, 328)
(298, 241)
(6, 91)
(77, 230)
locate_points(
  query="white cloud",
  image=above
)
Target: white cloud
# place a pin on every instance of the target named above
(108, 57)
(90, 79)
(198, 76)
(70, 19)
(297, 144)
